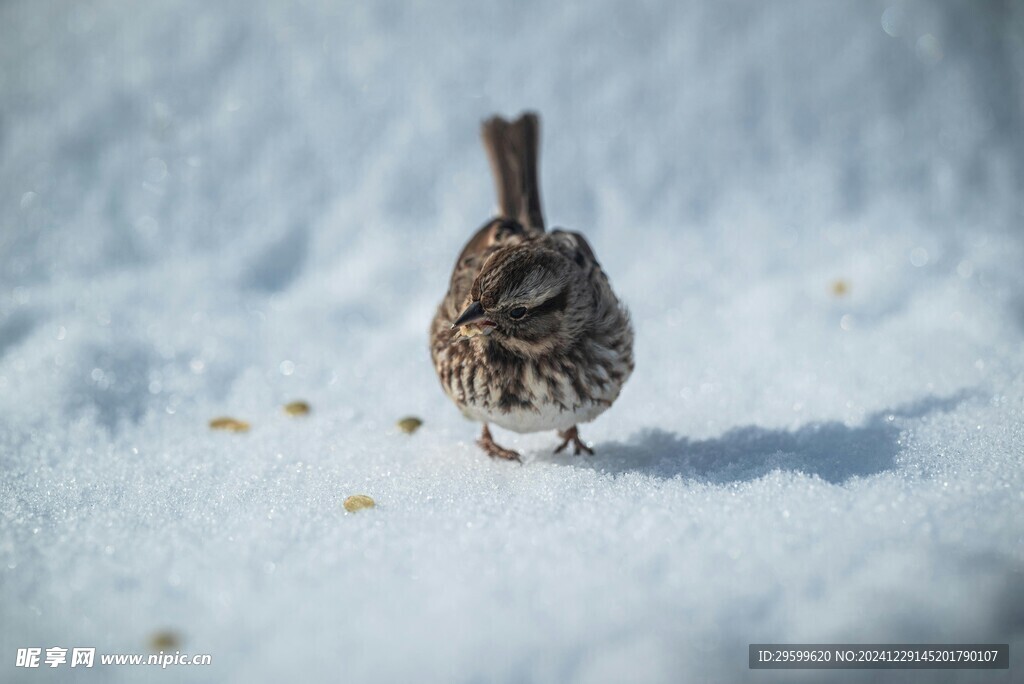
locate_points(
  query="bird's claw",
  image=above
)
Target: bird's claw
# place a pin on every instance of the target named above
(486, 442)
(573, 436)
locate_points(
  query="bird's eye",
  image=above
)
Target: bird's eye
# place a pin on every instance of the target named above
(517, 312)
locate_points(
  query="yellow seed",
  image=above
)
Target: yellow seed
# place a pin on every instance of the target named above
(231, 424)
(296, 408)
(840, 288)
(409, 424)
(164, 640)
(358, 502)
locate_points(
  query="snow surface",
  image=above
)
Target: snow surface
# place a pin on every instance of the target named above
(214, 208)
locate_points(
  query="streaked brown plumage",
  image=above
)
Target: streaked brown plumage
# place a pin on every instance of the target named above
(530, 336)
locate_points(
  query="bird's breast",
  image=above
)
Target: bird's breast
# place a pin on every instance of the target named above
(531, 395)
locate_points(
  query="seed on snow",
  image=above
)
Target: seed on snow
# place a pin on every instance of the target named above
(230, 424)
(296, 408)
(409, 424)
(164, 640)
(358, 502)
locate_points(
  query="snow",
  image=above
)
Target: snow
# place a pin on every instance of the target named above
(213, 209)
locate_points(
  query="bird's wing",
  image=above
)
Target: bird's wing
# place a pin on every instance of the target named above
(576, 247)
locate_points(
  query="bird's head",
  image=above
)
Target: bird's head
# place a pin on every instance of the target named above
(524, 298)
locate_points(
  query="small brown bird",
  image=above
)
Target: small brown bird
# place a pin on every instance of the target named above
(530, 335)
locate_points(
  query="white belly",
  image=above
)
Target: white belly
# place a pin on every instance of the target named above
(546, 417)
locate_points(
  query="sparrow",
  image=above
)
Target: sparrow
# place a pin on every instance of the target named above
(530, 335)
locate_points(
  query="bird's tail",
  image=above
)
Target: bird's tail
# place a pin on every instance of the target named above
(512, 148)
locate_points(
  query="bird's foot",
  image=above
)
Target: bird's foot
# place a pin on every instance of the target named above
(572, 435)
(486, 442)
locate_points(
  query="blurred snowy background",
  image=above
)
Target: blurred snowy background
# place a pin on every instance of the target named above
(813, 210)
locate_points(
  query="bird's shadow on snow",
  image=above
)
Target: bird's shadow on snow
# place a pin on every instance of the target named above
(833, 451)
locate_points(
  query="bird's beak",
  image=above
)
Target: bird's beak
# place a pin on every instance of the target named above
(473, 313)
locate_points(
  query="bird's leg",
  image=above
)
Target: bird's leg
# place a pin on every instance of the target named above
(578, 445)
(486, 442)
